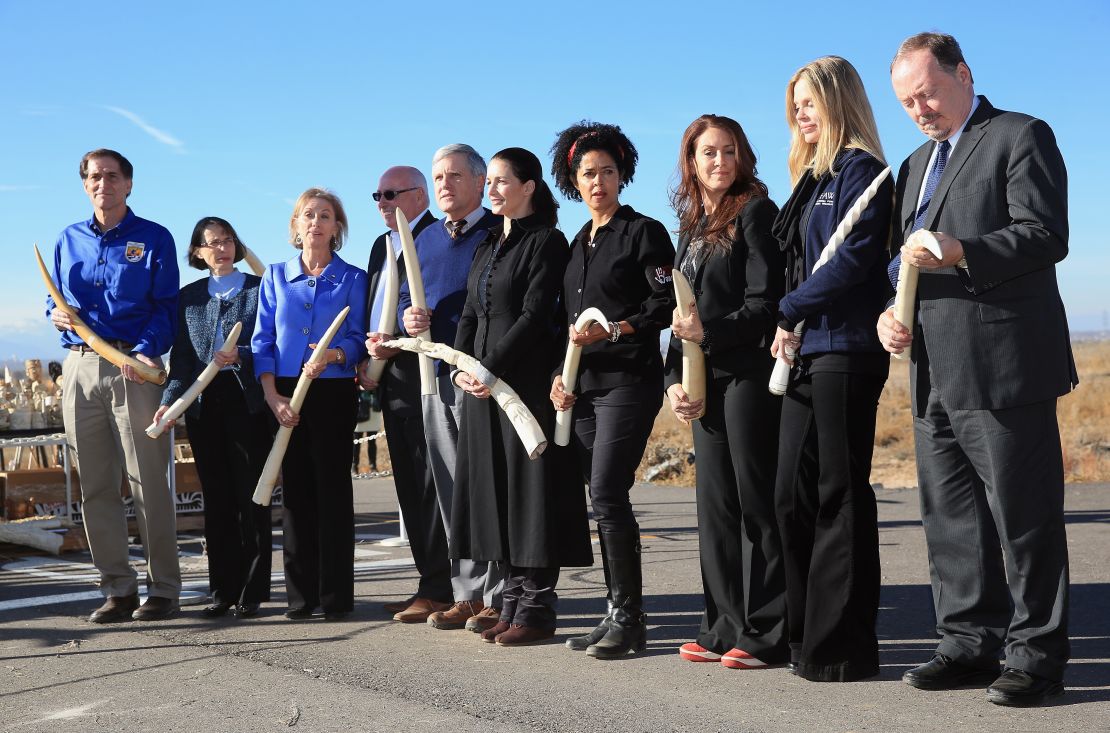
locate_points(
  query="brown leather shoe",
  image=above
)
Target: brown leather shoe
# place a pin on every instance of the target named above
(456, 616)
(487, 618)
(115, 609)
(490, 635)
(156, 608)
(518, 635)
(398, 606)
(419, 610)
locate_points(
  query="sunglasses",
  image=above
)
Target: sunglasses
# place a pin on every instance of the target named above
(390, 195)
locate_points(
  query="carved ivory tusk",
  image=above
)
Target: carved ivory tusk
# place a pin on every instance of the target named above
(253, 262)
(94, 342)
(906, 292)
(387, 323)
(780, 375)
(563, 421)
(416, 291)
(693, 359)
(203, 380)
(265, 487)
(527, 429)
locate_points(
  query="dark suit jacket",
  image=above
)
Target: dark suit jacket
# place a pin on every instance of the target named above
(197, 315)
(994, 336)
(401, 379)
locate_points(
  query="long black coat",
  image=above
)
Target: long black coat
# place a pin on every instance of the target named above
(506, 507)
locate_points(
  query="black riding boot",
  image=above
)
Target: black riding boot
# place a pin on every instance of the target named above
(581, 643)
(627, 622)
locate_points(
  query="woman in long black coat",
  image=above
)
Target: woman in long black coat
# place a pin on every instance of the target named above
(530, 514)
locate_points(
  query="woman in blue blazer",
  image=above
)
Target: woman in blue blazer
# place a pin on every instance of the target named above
(227, 425)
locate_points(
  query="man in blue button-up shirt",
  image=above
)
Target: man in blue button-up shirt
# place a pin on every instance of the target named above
(120, 273)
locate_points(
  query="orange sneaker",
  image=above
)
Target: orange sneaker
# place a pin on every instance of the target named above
(740, 659)
(695, 652)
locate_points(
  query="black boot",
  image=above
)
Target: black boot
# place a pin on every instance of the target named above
(581, 643)
(627, 622)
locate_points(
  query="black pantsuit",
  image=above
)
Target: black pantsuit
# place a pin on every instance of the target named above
(318, 497)
(828, 521)
(230, 445)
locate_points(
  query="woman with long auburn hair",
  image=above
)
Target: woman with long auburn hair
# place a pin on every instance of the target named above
(727, 252)
(824, 501)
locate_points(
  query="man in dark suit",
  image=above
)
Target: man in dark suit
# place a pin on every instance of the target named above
(405, 188)
(990, 354)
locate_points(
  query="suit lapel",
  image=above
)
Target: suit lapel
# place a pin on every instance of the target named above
(916, 176)
(966, 146)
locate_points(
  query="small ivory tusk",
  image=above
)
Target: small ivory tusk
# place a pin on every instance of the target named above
(563, 418)
(416, 293)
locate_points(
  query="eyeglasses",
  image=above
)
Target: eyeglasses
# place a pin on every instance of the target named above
(229, 242)
(390, 195)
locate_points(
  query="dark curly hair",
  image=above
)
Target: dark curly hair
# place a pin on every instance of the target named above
(577, 140)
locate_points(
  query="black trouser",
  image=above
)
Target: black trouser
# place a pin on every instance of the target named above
(230, 447)
(416, 495)
(529, 598)
(612, 428)
(828, 519)
(319, 517)
(736, 442)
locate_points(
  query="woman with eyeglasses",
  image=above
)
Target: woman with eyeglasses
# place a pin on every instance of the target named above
(620, 263)
(298, 301)
(227, 425)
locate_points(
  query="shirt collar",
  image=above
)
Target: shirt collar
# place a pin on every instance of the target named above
(955, 137)
(619, 222)
(471, 219)
(128, 216)
(395, 236)
(294, 271)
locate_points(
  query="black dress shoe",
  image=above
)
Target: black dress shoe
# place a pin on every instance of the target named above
(298, 614)
(246, 610)
(215, 610)
(115, 609)
(336, 615)
(945, 673)
(1019, 688)
(156, 608)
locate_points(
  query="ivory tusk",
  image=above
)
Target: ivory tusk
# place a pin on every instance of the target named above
(527, 429)
(905, 294)
(387, 323)
(265, 487)
(416, 291)
(693, 358)
(177, 409)
(780, 375)
(94, 342)
(563, 418)
(253, 262)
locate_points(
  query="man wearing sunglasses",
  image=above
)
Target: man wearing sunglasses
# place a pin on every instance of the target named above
(405, 188)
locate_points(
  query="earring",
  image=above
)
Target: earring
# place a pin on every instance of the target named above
(335, 243)
(298, 240)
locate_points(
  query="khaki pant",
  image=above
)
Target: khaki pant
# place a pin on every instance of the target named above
(105, 416)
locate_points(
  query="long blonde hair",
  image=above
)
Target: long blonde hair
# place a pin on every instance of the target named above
(846, 120)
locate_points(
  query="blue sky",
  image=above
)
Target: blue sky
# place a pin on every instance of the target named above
(233, 109)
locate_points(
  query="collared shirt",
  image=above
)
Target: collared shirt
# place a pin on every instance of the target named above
(124, 282)
(295, 309)
(379, 294)
(223, 288)
(471, 219)
(952, 140)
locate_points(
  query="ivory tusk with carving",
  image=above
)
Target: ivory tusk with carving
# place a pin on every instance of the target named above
(693, 358)
(253, 262)
(564, 418)
(523, 422)
(780, 375)
(264, 489)
(416, 293)
(387, 323)
(94, 342)
(905, 294)
(177, 409)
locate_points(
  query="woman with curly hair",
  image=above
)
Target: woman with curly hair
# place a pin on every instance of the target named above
(824, 501)
(727, 252)
(620, 263)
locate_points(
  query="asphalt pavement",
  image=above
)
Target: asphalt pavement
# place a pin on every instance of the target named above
(60, 673)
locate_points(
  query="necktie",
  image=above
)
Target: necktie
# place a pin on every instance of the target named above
(456, 228)
(931, 183)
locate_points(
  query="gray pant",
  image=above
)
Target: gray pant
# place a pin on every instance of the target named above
(470, 580)
(105, 416)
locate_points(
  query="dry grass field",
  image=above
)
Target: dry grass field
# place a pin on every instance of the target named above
(1084, 426)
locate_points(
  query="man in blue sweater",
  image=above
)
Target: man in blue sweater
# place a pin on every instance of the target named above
(445, 251)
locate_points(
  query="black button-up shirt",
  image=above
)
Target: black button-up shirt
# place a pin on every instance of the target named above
(626, 274)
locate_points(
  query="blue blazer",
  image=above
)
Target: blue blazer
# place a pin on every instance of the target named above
(197, 316)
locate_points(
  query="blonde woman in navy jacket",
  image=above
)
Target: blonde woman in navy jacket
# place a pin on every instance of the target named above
(824, 501)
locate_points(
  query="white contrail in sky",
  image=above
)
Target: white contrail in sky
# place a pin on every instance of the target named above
(159, 135)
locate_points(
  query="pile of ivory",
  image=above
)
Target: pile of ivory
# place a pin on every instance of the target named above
(32, 532)
(780, 375)
(264, 489)
(416, 293)
(527, 429)
(693, 358)
(94, 342)
(906, 292)
(563, 421)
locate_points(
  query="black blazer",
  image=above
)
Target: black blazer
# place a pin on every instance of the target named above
(401, 378)
(737, 293)
(196, 339)
(994, 335)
